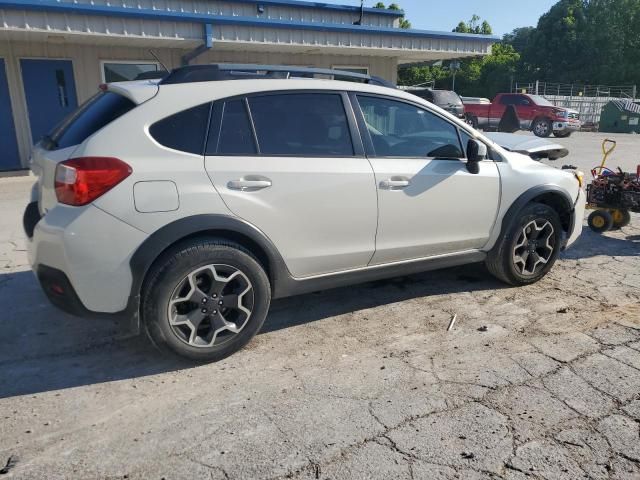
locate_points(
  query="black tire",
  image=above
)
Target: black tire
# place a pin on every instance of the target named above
(472, 121)
(600, 221)
(621, 218)
(174, 268)
(562, 135)
(501, 259)
(542, 127)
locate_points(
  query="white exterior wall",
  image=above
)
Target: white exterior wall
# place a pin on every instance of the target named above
(237, 9)
(87, 68)
(123, 30)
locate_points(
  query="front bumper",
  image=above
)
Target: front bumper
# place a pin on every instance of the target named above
(565, 126)
(578, 218)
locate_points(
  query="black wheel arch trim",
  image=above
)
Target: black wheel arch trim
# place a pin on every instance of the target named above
(533, 193)
(162, 239)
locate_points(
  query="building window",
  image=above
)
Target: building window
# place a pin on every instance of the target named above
(125, 71)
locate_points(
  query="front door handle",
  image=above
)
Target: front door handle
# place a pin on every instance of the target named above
(394, 183)
(248, 184)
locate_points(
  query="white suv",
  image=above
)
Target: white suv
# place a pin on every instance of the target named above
(188, 203)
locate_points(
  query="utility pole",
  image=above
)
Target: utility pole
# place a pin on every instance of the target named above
(454, 66)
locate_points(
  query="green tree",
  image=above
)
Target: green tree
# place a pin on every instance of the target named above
(474, 26)
(555, 50)
(404, 23)
(485, 28)
(379, 5)
(518, 38)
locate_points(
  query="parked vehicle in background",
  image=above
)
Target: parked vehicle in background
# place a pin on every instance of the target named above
(447, 100)
(468, 100)
(535, 113)
(228, 193)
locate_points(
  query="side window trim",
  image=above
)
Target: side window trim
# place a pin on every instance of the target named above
(366, 136)
(256, 142)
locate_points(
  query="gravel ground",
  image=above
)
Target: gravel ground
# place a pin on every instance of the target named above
(541, 382)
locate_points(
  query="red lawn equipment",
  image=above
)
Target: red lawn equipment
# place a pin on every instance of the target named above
(613, 194)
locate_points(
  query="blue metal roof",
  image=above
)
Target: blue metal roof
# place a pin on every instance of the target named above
(148, 14)
(324, 6)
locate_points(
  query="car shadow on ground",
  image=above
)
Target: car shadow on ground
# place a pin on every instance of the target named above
(43, 349)
(592, 244)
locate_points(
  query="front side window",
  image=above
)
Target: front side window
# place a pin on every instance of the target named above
(399, 129)
(185, 131)
(301, 124)
(508, 100)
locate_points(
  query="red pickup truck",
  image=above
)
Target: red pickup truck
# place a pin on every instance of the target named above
(535, 113)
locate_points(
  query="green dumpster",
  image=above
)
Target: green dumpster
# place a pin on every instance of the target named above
(620, 116)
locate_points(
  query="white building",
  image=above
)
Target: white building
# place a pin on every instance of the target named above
(55, 53)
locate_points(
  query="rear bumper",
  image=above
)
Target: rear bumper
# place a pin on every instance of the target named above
(81, 258)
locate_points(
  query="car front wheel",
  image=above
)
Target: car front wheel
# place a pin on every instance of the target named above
(529, 248)
(541, 127)
(205, 299)
(562, 134)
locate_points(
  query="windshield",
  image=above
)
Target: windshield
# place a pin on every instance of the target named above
(543, 102)
(446, 97)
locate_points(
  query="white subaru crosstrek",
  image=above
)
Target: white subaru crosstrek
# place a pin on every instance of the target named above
(188, 203)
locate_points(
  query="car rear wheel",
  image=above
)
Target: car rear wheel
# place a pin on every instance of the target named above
(541, 127)
(205, 299)
(529, 248)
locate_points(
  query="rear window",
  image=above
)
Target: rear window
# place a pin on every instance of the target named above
(446, 97)
(305, 124)
(97, 112)
(185, 131)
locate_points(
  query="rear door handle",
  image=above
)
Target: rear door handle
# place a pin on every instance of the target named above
(394, 183)
(249, 185)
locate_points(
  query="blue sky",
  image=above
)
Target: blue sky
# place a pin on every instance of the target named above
(503, 15)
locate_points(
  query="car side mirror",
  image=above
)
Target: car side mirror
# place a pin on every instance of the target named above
(476, 152)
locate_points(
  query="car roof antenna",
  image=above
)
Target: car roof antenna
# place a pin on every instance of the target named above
(151, 52)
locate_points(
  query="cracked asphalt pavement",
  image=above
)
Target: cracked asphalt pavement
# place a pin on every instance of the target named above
(540, 382)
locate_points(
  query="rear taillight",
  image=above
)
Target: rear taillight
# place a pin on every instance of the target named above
(81, 180)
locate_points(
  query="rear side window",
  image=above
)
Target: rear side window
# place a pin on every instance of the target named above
(301, 124)
(236, 135)
(94, 114)
(184, 131)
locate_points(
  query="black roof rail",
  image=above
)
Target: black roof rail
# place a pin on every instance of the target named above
(236, 71)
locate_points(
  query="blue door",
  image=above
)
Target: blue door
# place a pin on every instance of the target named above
(9, 157)
(50, 92)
